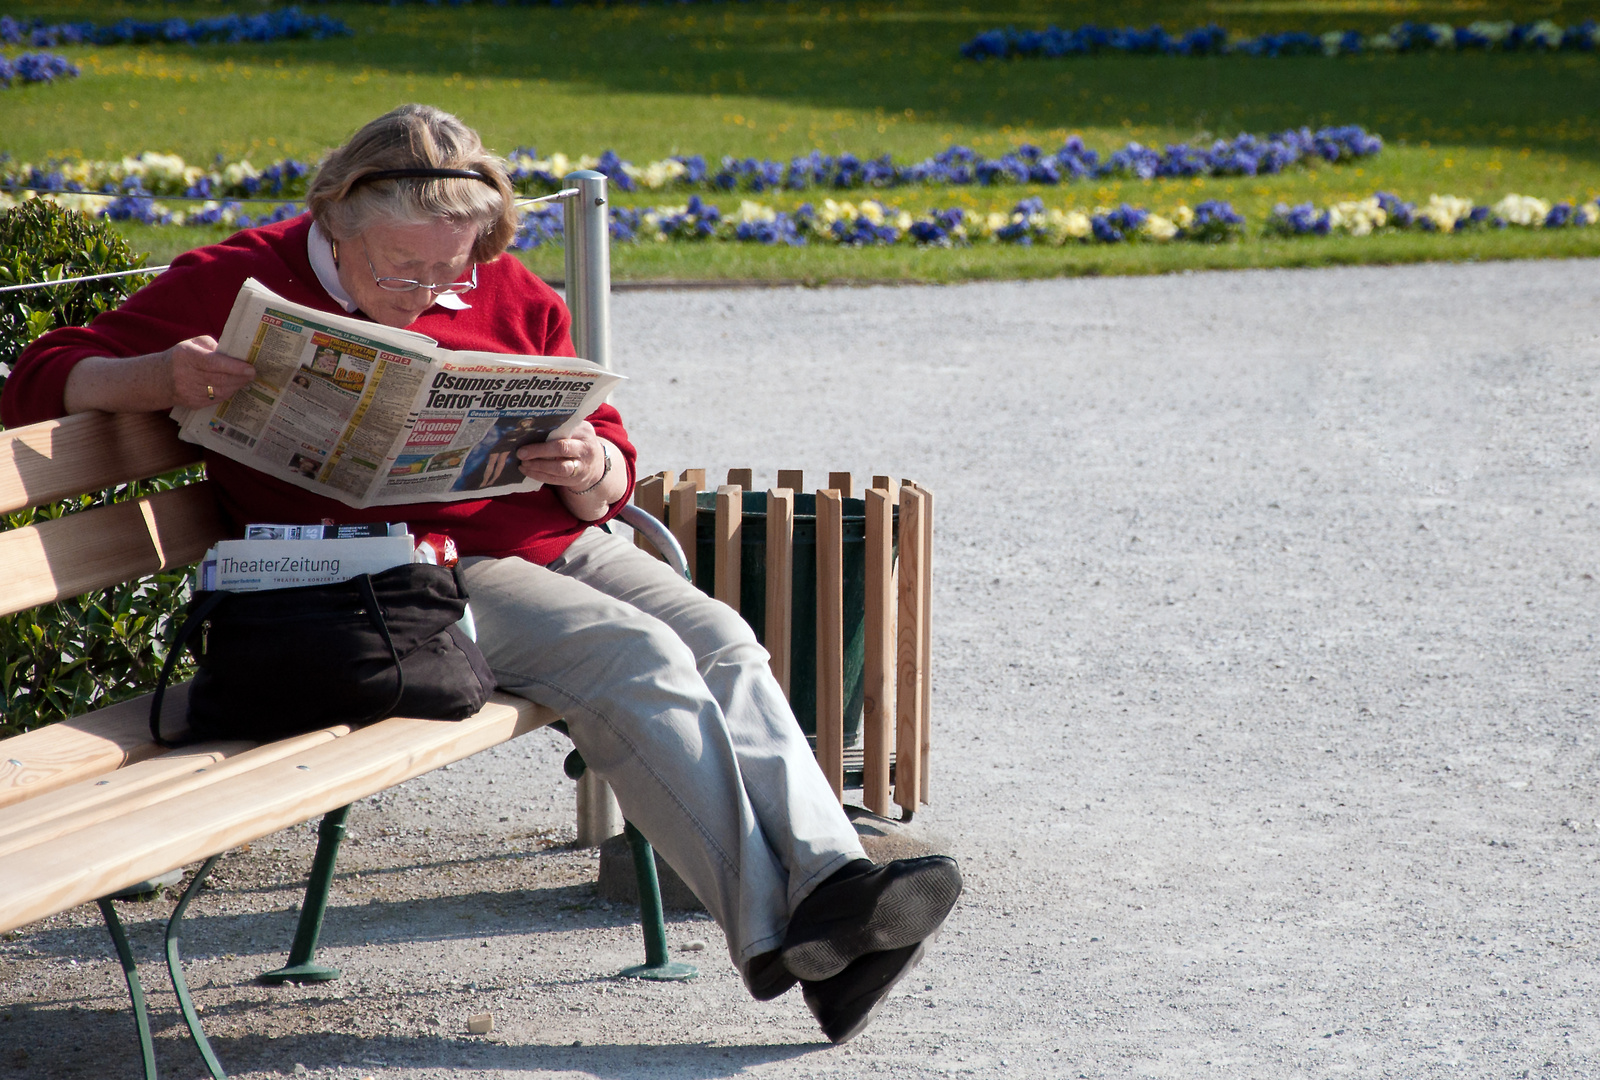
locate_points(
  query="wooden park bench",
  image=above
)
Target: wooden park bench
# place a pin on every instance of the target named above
(92, 810)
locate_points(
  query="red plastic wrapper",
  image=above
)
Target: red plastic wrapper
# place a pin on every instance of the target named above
(439, 549)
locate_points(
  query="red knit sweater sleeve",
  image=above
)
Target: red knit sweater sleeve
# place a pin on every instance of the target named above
(193, 298)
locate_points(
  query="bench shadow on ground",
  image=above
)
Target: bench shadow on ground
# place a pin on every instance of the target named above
(457, 916)
(98, 1043)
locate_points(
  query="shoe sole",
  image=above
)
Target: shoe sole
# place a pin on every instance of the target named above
(910, 909)
(877, 996)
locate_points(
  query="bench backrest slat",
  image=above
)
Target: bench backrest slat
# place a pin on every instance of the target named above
(107, 545)
(86, 452)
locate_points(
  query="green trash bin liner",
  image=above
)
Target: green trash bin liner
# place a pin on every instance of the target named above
(803, 633)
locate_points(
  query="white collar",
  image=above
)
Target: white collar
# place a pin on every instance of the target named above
(320, 250)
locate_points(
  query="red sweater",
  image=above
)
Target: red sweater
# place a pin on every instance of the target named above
(512, 312)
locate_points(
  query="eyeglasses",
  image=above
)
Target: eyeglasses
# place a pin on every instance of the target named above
(400, 284)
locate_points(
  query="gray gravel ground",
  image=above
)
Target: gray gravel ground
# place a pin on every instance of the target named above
(1265, 620)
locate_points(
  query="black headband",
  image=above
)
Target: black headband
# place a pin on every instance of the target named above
(420, 174)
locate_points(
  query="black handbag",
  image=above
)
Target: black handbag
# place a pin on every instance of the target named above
(283, 661)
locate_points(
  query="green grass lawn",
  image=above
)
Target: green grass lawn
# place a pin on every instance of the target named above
(776, 79)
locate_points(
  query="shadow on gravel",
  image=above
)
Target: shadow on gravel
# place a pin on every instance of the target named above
(413, 919)
(76, 1042)
(498, 859)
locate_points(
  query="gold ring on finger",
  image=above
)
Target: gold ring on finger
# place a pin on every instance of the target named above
(211, 393)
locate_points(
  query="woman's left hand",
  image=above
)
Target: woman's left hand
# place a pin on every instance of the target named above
(576, 462)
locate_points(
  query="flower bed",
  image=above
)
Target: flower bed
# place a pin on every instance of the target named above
(1441, 213)
(281, 24)
(865, 224)
(35, 68)
(1213, 40)
(871, 223)
(1247, 155)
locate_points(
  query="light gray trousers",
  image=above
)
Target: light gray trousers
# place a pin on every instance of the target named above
(670, 699)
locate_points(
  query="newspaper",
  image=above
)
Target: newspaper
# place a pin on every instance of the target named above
(371, 415)
(285, 556)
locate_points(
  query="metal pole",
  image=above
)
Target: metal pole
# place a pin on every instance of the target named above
(587, 221)
(588, 239)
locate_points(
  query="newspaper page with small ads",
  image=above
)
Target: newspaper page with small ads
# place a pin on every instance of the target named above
(372, 415)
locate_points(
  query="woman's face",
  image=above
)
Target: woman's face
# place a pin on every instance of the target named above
(435, 254)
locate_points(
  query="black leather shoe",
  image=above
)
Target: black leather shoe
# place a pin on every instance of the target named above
(766, 977)
(844, 1004)
(886, 908)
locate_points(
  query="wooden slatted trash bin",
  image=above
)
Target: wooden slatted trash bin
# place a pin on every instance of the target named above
(837, 589)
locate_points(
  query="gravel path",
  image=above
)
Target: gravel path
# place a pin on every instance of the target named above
(1264, 707)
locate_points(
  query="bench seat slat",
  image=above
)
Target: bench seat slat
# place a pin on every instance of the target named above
(90, 451)
(87, 746)
(107, 545)
(41, 881)
(45, 812)
(87, 803)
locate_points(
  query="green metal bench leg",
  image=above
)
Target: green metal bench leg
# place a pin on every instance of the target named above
(656, 966)
(141, 1018)
(302, 966)
(180, 986)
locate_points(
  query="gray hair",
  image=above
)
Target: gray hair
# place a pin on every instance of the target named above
(415, 137)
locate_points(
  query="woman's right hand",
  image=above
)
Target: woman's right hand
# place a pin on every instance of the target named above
(201, 376)
(191, 373)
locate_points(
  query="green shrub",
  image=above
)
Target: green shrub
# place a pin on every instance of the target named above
(61, 659)
(39, 241)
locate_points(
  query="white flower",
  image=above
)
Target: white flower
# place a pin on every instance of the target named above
(657, 174)
(754, 212)
(1522, 210)
(1183, 216)
(1382, 43)
(1587, 213)
(872, 210)
(1496, 32)
(1446, 211)
(1331, 41)
(1545, 32)
(1358, 218)
(1157, 227)
(237, 172)
(1444, 35)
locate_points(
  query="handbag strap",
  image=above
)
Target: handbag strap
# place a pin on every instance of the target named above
(375, 613)
(197, 615)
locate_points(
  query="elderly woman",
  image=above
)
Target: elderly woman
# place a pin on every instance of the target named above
(666, 691)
